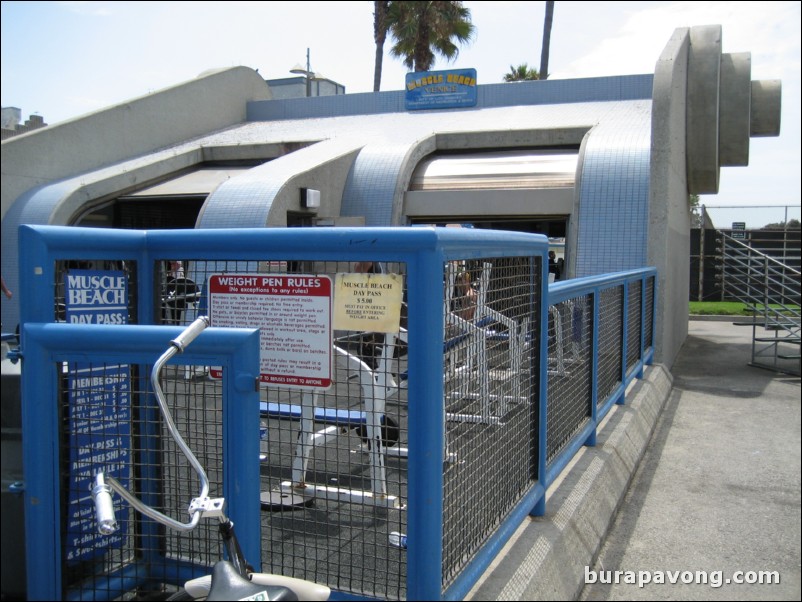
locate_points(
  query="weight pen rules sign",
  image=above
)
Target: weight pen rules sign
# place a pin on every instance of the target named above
(296, 316)
(293, 313)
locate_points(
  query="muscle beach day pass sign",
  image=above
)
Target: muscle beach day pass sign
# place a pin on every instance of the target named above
(368, 302)
(99, 411)
(96, 297)
(440, 89)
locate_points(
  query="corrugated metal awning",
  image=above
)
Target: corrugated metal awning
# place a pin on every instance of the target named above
(496, 170)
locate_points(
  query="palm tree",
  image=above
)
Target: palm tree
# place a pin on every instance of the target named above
(521, 73)
(544, 51)
(380, 8)
(421, 29)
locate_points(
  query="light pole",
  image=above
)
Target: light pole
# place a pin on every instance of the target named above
(306, 72)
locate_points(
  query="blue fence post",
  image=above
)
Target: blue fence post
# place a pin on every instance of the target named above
(540, 367)
(240, 438)
(624, 336)
(426, 429)
(40, 450)
(594, 370)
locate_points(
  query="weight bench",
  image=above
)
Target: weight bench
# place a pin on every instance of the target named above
(377, 431)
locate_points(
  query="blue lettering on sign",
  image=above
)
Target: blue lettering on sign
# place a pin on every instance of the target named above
(440, 89)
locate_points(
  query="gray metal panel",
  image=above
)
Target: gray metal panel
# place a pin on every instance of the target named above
(497, 170)
(547, 201)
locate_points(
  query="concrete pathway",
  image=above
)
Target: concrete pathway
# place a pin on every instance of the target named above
(718, 490)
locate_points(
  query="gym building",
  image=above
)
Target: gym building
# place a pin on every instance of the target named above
(607, 164)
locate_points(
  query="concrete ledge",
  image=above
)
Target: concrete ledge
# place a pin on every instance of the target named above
(546, 557)
(715, 318)
(734, 109)
(766, 107)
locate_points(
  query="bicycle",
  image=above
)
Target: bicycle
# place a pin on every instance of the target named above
(231, 579)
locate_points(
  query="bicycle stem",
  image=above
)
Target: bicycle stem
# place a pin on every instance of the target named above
(101, 492)
(178, 346)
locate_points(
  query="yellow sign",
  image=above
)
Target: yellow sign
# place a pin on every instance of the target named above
(368, 302)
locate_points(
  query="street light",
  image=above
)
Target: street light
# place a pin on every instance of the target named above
(305, 72)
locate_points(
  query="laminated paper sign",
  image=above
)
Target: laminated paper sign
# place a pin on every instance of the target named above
(293, 314)
(368, 302)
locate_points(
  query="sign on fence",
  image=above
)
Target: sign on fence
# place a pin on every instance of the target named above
(100, 437)
(370, 302)
(293, 314)
(739, 229)
(99, 409)
(96, 297)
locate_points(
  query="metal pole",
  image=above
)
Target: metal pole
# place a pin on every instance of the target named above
(701, 277)
(308, 75)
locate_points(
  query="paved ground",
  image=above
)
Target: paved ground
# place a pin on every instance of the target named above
(698, 473)
(718, 489)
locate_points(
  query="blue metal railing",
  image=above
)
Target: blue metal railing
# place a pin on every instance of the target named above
(626, 299)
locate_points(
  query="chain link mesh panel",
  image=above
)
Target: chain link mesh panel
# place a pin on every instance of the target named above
(332, 495)
(490, 387)
(634, 313)
(649, 314)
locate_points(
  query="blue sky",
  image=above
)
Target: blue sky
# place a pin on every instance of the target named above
(64, 59)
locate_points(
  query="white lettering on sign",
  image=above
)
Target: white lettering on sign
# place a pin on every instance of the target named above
(96, 297)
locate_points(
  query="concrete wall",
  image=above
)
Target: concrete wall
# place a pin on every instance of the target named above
(212, 101)
(669, 212)
(704, 110)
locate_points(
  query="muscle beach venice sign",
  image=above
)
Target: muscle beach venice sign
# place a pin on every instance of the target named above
(440, 89)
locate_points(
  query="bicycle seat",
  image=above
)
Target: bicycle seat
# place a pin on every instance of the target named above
(228, 584)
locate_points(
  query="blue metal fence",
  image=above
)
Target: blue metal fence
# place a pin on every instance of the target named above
(490, 406)
(600, 339)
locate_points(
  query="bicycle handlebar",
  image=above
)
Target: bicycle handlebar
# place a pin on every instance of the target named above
(104, 485)
(190, 333)
(101, 491)
(104, 507)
